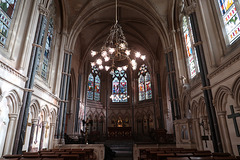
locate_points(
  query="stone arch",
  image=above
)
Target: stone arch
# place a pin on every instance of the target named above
(46, 112)
(202, 107)
(236, 91)
(221, 97)
(53, 115)
(35, 109)
(194, 109)
(184, 107)
(10, 105)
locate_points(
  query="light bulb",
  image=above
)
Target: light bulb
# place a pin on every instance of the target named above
(133, 62)
(107, 68)
(111, 50)
(134, 67)
(99, 61)
(101, 67)
(93, 53)
(119, 68)
(106, 59)
(137, 54)
(124, 68)
(143, 57)
(104, 53)
(93, 64)
(127, 52)
(122, 46)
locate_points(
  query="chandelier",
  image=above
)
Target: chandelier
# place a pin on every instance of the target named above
(115, 54)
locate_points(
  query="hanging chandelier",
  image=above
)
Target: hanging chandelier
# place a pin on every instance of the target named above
(115, 54)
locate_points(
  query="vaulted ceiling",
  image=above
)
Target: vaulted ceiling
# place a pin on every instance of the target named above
(145, 23)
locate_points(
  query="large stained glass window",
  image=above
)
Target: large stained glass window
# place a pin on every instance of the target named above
(119, 86)
(6, 13)
(44, 54)
(144, 84)
(93, 86)
(230, 17)
(192, 61)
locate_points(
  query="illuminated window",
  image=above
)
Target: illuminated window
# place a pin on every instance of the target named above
(44, 54)
(119, 86)
(230, 17)
(192, 61)
(7, 8)
(93, 91)
(144, 84)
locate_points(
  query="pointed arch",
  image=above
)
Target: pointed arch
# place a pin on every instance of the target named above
(221, 98)
(202, 107)
(194, 109)
(46, 112)
(35, 109)
(236, 91)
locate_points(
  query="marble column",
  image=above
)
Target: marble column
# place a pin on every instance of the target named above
(44, 123)
(51, 135)
(10, 134)
(225, 132)
(34, 124)
(198, 133)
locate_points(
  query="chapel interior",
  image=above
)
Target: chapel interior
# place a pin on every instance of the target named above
(119, 79)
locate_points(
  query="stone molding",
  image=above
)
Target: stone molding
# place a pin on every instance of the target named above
(13, 71)
(48, 93)
(224, 66)
(190, 9)
(43, 10)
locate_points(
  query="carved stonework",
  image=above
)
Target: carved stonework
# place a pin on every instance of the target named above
(12, 71)
(43, 10)
(56, 99)
(224, 66)
(190, 9)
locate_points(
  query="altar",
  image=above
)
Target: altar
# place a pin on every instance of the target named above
(119, 132)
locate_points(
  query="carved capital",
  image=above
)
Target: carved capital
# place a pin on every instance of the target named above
(43, 10)
(190, 9)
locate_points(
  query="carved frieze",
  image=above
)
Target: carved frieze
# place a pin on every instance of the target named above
(12, 71)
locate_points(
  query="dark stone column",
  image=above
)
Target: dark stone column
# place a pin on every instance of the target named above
(77, 105)
(161, 123)
(22, 122)
(34, 124)
(61, 96)
(172, 86)
(216, 139)
(66, 93)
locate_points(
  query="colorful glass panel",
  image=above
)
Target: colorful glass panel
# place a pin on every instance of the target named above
(144, 83)
(119, 86)
(141, 87)
(42, 33)
(191, 52)
(94, 83)
(123, 90)
(90, 87)
(6, 13)
(115, 90)
(46, 57)
(97, 88)
(230, 18)
(148, 86)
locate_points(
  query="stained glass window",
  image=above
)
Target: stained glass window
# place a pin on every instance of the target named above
(144, 84)
(230, 17)
(6, 13)
(93, 86)
(191, 55)
(46, 39)
(119, 86)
